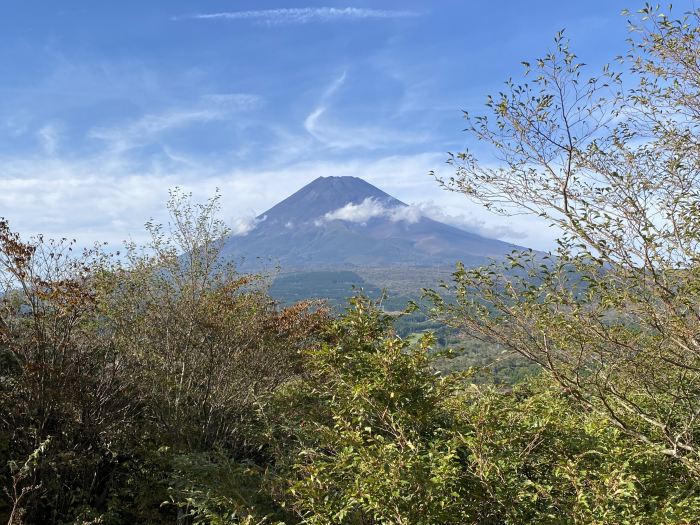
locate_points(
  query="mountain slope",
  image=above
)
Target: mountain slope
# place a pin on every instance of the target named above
(337, 222)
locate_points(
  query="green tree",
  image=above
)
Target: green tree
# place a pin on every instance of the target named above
(614, 314)
(369, 434)
(144, 373)
(204, 341)
(368, 421)
(59, 379)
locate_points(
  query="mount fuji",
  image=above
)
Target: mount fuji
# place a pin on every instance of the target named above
(345, 222)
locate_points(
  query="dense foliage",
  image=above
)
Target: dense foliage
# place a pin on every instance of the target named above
(370, 434)
(194, 400)
(113, 371)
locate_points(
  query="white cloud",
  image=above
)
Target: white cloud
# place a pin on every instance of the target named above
(467, 222)
(302, 15)
(242, 226)
(410, 214)
(88, 201)
(371, 208)
(361, 213)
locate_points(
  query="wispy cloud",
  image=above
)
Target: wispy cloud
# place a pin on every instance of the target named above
(370, 208)
(342, 137)
(233, 101)
(140, 131)
(468, 222)
(302, 15)
(49, 136)
(311, 122)
(135, 133)
(337, 136)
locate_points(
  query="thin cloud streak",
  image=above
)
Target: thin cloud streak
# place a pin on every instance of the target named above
(49, 136)
(136, 133)
(343, 137)
(142, 130)
(311, 122)
(302, 15)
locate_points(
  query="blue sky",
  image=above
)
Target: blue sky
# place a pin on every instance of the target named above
(106, 105)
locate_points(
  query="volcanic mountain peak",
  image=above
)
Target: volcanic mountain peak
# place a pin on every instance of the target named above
(340, 222)
(325, 195)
